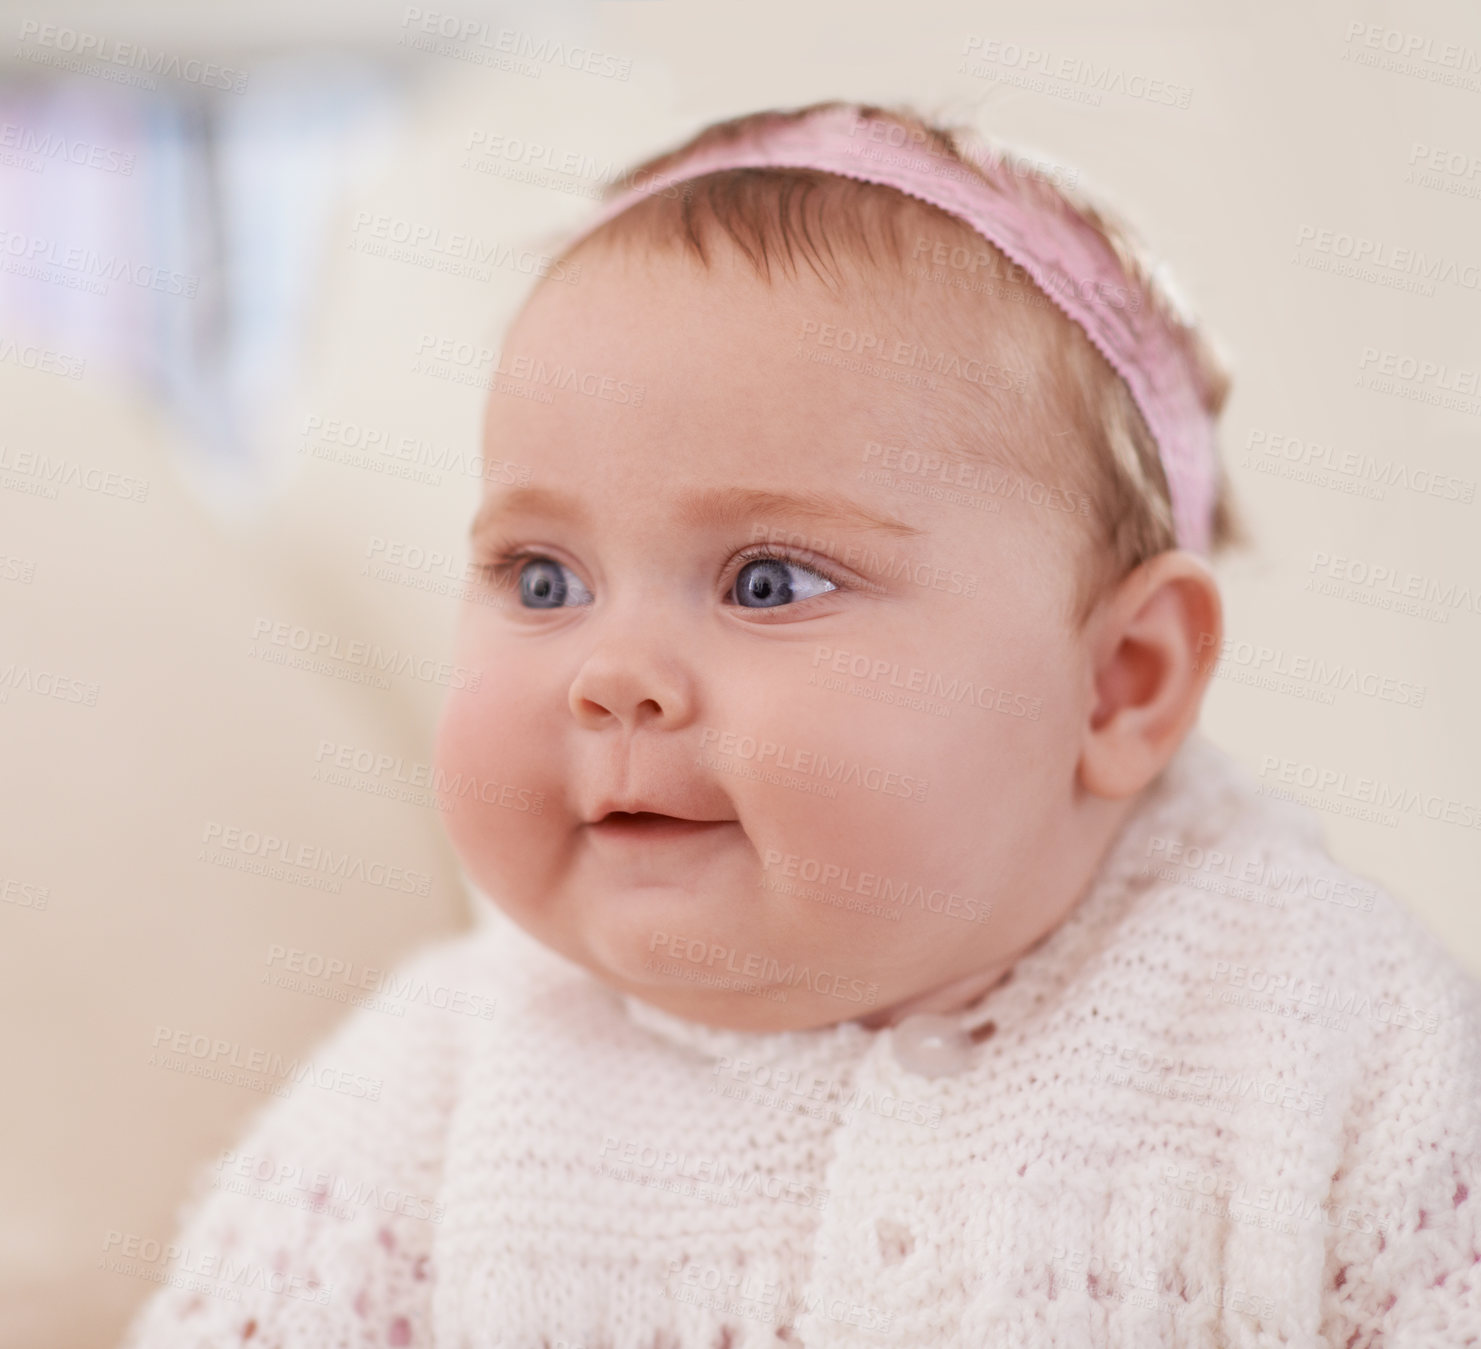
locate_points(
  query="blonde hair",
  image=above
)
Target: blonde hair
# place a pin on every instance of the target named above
(781, 214)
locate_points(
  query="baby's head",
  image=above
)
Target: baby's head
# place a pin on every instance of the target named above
(911, 631)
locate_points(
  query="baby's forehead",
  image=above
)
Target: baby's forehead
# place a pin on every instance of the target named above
(930, 358)
(897, 288)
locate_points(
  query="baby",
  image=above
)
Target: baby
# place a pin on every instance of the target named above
(874, 951)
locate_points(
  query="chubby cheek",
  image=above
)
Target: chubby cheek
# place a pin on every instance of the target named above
(896, 809)
(823, 771)
(499, 786)
(838, 794)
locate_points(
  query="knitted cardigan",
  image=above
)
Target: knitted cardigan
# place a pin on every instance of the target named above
(1234, 1099)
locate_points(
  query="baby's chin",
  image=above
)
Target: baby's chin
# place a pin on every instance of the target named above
(706, 958)
(745, 1006)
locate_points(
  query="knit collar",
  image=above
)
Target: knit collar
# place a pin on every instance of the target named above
(841, 1037)
(1122, 871)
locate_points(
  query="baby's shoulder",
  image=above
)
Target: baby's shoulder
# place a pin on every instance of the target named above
(1246, 879)
(318, 1224)
(1236, 938)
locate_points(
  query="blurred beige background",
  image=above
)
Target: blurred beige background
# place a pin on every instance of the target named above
(1299, 132)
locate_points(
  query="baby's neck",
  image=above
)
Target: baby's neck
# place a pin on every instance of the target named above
(943, 1001)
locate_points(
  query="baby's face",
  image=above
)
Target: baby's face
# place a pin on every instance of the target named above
(880, 722)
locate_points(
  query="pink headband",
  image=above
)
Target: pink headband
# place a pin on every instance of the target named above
(1071, 263)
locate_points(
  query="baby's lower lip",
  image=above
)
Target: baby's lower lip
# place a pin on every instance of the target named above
(648, 828)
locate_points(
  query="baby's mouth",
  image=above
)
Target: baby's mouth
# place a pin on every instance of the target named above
(650, 826)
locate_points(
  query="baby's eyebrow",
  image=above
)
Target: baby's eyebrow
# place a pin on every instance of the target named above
(737, 505)
(704, 507)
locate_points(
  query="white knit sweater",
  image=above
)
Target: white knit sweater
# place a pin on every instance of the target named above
(1234, 1100)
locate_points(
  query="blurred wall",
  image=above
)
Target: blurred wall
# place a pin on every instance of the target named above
(1313, 180)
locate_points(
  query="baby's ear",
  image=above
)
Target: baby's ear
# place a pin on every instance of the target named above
(1153, 645)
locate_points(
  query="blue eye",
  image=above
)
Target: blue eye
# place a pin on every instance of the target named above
(763, 583)
(769, 578)
(542, 580)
